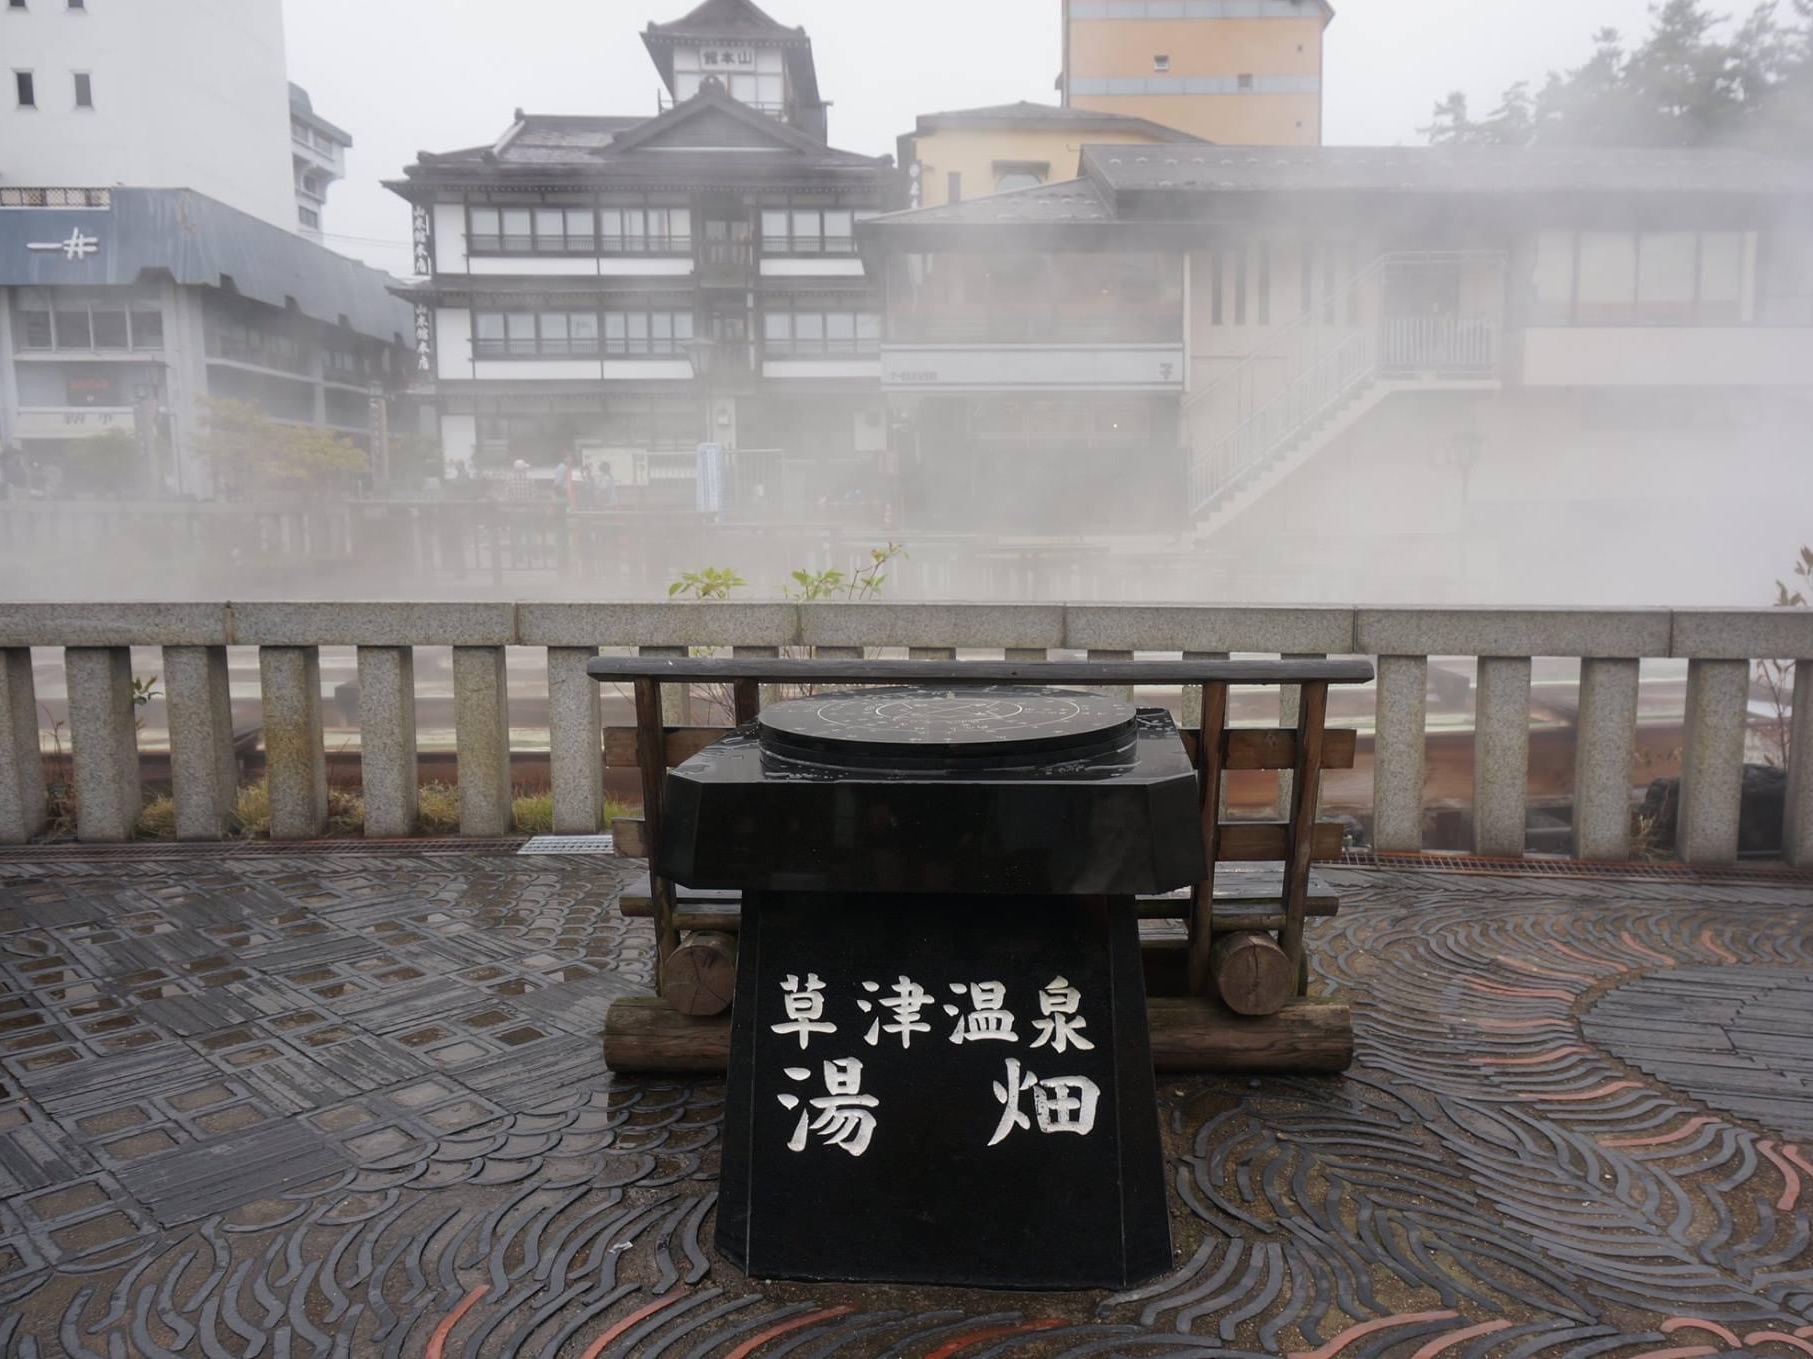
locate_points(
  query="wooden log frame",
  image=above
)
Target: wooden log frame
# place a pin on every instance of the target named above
(1191, 1031)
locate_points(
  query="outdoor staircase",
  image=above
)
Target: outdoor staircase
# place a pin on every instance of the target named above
(1317, 376)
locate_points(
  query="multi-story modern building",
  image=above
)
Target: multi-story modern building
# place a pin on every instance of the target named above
(966, 153)
(617, 291)
(171, 96)
(317, 158)
(1236, 72)
(129, 309)
(1285, 353)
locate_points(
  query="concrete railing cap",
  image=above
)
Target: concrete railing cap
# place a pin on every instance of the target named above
(1595, 633)
(113, 624)
(1744, 634)
(373, 624)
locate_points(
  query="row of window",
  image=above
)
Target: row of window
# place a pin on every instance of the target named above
(74, 324)
(1643, 278)
(803, 334)
(660, 333)
(67, 4)
(648, 230)
(580, 334)
(25, 88)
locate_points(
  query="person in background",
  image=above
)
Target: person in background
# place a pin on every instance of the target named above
(520, 487)
(607, 486)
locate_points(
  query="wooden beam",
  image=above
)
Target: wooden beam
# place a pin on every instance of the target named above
(746, 700)
(1276, 747)
(710, 909)
(717, 670)
(1209, 761)
(1188, 1034)
(651, 758)
(1238, 841)
(1306, 789)
(1265, 841)
(682, 744)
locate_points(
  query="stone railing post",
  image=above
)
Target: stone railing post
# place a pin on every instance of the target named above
(295, 761)
(387, 741)
(204, 771)
(575, 742)
(1605, 744)
(1712, 761)
(1797, 826)
(23, 809)
(481, 721)
(1397, 753)
(104, 737)
(1501, 756)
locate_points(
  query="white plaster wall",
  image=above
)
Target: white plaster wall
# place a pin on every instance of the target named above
(1668, 356)
(450, 238)
(452, 342)
(647, 370)
(822, 368)
(187, 94)
(536, 370)
(459, 438)
(1157, 368)
(812, 268)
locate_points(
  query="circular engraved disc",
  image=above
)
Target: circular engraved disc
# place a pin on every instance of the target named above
(969, 725)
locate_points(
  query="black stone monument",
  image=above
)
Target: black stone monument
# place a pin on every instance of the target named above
(939, 1069)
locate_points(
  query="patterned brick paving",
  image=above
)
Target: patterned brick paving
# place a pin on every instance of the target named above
(351, 1104)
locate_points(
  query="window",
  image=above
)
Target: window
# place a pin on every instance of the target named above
(71, 321)
(78, 4)
(84, 90)
(1020, 174)
(640, 334)
(15, 4)
(309, 218)
(73, 330)
(1552, 286)
(815, 332)
(1161, 63)
(147, 326)
(1667, 266)
(22, 84)
(1722, 265)
(646, 230)
(1607, 286)
(535, 334)
(810, 231)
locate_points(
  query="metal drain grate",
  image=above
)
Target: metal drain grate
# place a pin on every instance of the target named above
(1651, 870)
(571, 844)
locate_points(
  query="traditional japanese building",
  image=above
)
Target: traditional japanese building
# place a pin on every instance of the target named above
(1270, 349)
(620, 289)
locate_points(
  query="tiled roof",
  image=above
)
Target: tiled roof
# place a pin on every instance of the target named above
(1425, 169)
(1072, 200)
(724, 18)
(1026, 114)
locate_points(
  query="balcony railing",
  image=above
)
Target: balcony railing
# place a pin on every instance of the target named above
(1717, 645)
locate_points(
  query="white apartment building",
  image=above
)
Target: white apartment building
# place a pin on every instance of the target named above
(184, 94)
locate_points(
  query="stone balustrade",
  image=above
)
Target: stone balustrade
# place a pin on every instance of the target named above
(1719, 646)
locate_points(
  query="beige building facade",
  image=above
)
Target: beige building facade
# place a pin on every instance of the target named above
(1236, 72)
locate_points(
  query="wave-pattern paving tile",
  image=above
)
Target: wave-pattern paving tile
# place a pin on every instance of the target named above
(1577, 1126)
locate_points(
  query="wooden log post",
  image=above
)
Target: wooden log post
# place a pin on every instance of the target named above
(1252, 974)
(651, 758)
(746, 696)
(699, 977)
(1209, 759)
(1312, 714)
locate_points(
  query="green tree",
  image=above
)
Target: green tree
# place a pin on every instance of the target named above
(251, 452)
(1692, 81)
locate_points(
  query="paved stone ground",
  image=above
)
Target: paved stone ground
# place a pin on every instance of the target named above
(351, 1104)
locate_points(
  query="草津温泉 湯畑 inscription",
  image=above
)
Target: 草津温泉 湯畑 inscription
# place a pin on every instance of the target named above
(970, 1075)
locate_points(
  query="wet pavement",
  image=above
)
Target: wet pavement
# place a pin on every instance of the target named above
(350, 1101)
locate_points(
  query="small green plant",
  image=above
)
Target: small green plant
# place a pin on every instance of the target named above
(713, 582)
(143, 692)
(865, 582)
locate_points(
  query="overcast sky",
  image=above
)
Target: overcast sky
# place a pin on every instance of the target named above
(408, 75)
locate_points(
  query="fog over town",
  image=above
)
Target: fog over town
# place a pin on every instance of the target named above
(1311, 332)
